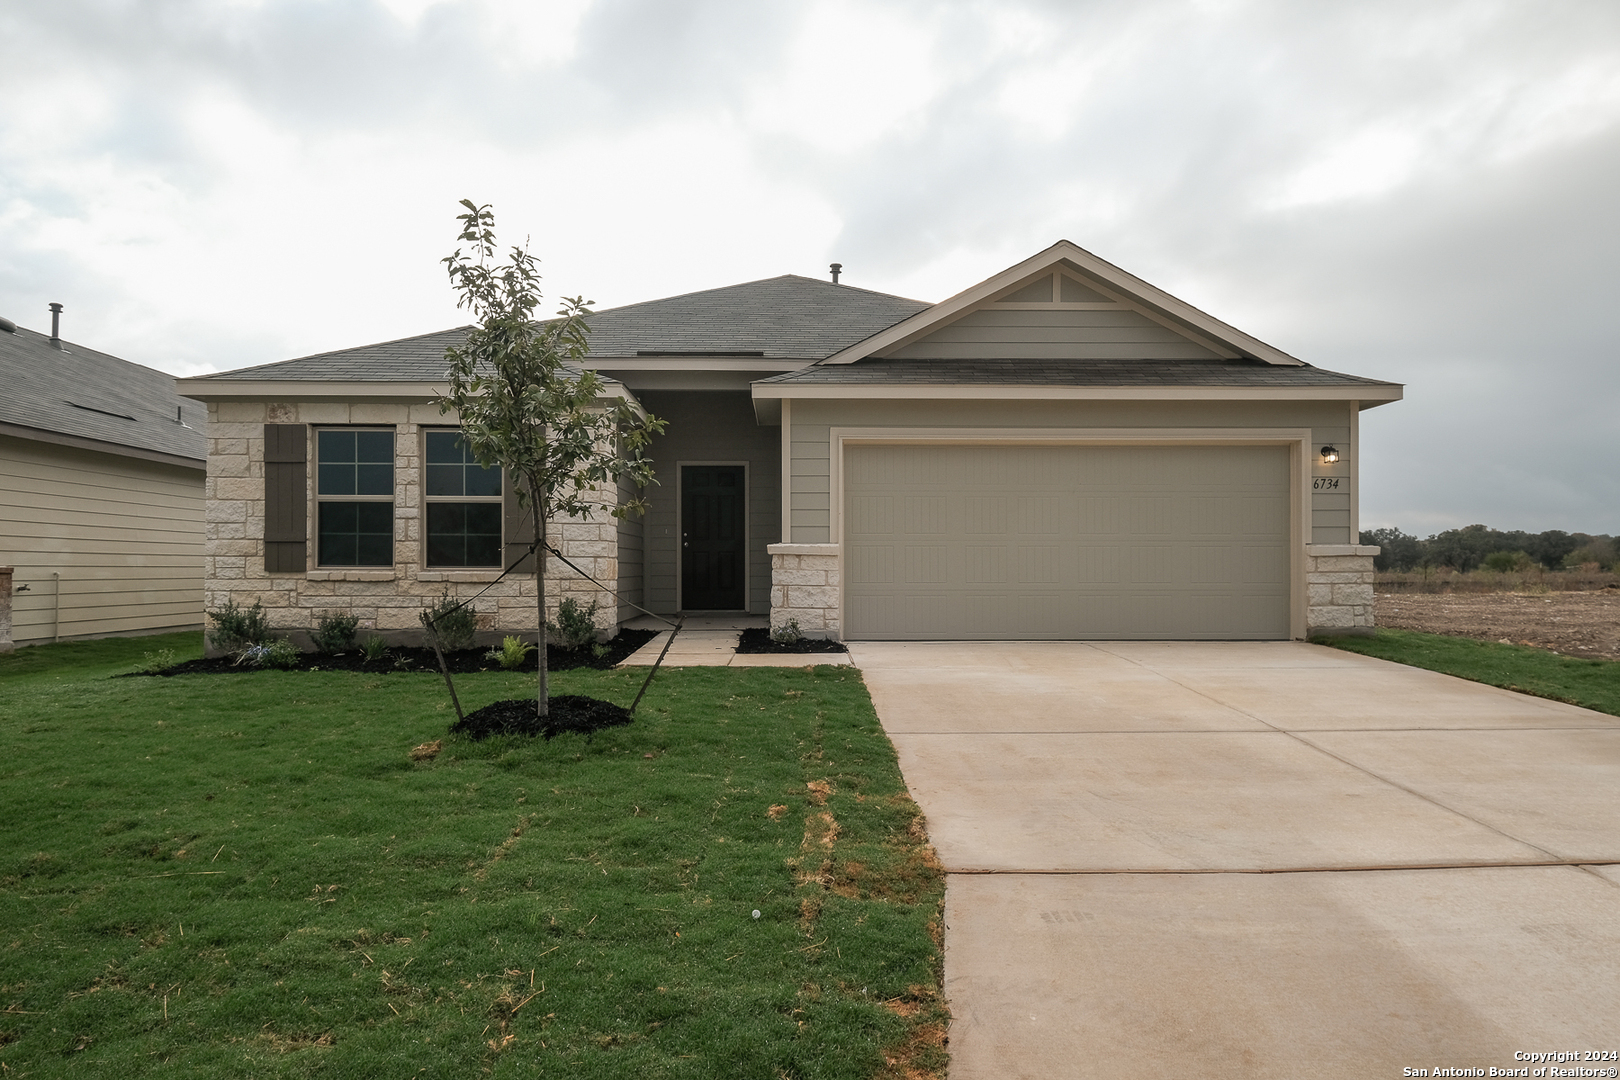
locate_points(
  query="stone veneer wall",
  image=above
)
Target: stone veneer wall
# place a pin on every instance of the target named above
(1339, 578)
(385, 600)
(804, 587)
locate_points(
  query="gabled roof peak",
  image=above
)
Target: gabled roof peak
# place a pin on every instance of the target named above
(1090, 273)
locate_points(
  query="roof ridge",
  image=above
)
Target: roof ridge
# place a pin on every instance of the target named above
(760, 281)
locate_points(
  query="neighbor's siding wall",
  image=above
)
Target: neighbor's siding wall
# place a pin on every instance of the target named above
(125, 536)
(812, 420)
(386, 600)
(1054, 333)
(710, 426)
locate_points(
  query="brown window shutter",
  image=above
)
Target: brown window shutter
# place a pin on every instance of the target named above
(286, 498)
(518, 527)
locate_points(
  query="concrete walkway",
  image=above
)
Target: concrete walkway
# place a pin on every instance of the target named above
(711, 641)
(1256, 860)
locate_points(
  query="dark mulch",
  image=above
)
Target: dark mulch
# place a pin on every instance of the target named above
(568, 713)
(758, 640)
(460, 662)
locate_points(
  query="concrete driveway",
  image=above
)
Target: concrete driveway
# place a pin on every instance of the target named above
(1252, 860)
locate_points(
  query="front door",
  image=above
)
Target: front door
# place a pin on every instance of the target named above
(713, 538)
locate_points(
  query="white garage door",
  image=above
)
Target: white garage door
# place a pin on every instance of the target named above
(1102, 542)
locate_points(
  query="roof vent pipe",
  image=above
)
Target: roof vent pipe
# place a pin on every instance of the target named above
(836, 268)
(8, 326)
(56, 326)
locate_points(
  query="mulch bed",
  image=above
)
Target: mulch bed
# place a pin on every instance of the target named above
(567, 713)
(758, 640)
(460, 661)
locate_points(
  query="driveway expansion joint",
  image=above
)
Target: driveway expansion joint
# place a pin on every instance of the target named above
(1103, 871)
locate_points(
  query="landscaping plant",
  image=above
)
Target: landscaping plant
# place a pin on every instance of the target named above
(335, 632)
(523, 403)
(455, 623)
(279, 653)
(512, 653)
(575, 627)
(236, 627)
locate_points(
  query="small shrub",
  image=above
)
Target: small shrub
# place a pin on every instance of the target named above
(1507, 561)
(279, 653)
(335, 632)
(453, 621)
(575, 626)
(155, 662)
(788, 633)
(513, 651)
(1598, 555)
(599, 650)
(374, 648)
(236, 627)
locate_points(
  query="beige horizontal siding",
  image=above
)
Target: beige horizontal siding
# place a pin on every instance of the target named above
(105, 544)
(1061, 333)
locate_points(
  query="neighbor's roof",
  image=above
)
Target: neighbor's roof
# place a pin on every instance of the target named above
(874, 371)
(88, 398)
(787, 317)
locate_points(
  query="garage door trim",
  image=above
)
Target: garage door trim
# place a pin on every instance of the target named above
(1297, 440)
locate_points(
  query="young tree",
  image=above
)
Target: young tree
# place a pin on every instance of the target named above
(523, 405)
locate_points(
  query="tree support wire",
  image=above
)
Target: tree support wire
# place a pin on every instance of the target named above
(433, 630)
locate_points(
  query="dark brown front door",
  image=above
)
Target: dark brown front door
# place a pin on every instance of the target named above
(713, 538)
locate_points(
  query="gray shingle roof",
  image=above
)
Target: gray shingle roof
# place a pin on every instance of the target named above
(412, 359)
(91, 395)
(787, 317)
(1213, 372)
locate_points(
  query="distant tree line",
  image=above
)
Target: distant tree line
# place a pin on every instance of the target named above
(1474, 546)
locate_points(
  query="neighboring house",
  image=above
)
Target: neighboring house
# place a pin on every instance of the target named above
(1061, 451)
(101, 493)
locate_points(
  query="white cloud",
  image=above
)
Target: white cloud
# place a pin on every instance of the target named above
(853, 74)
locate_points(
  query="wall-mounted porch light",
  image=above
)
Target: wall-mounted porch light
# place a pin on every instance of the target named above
(1330, 454)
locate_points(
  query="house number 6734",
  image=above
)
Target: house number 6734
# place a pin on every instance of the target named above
(1325, 483)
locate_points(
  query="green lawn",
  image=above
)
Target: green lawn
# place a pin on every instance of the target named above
(247, 875)
(1594, 684)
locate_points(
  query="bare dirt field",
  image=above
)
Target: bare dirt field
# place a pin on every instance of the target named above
(1583, 624)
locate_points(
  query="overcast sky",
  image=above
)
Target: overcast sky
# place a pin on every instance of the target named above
(1419, 192)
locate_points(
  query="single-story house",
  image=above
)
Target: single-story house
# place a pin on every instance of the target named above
(101, 494)
(1059, 451)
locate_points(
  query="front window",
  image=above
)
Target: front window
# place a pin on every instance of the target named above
(463, 502)
(355, 497)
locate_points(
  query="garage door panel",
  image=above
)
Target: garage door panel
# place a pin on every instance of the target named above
(1097, 564)
(1040, 514)
(986, 564)
(925, 564)
(871, 564)
(924, 515)
(1039, 564)
(1098, 516)
(985, 514)
(1067, 542)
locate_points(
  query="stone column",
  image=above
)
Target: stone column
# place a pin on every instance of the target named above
(1339, 579)
(6, 644)
(805, 585)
